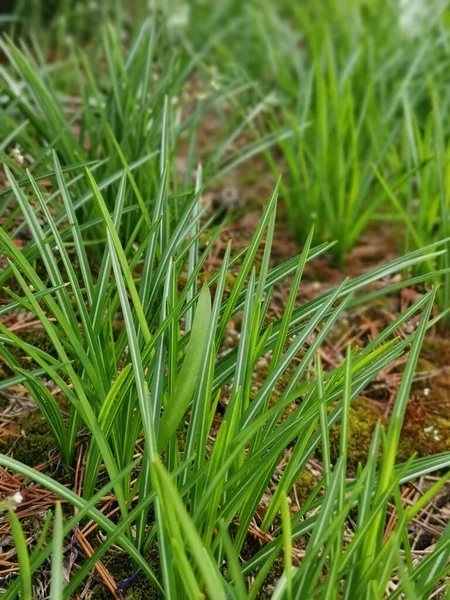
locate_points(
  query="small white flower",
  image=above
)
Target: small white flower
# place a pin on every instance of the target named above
(16, 153)
(17, 497)
(432, 432)
(426, 392)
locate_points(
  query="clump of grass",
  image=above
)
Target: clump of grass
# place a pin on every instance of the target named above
(122, 99)
(363, 95)
(121, 238)
(148, 379)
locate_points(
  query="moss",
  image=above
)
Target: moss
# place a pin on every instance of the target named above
(181, 439)
(426, 426)
(37, 338)
(121, 567)
(425, 366)
(36, 443)
(33, 449)
(304, 485)
(276, 571)
(363, 419)
(436, 350)
(35, 423)
(424, 433)
(229, 282)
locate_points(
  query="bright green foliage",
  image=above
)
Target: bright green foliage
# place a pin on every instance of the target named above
(362, 86)
(151, 375)
(117, 242)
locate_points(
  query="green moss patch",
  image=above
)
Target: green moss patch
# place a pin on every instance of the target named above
(37, 338)
(121, 567)
(363, 419)
(35, 444)
(304, 485)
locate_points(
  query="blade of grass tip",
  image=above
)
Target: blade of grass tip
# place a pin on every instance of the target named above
(130, 176)
(23, 558)
(145, 404)
(44, 250)
(121, 256)
(147, 281)
(247, 264)
(169, 301)
(56, 585)
(287, 542)
(323, 420)
(262, 396)
(285, 322)
(164, 157)
(266, 257)
(13, 306)
(200, 422)
(193, 253)
(165, 537)
(101, 297)
(244, 352)
(184, 387)
(73, 223)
